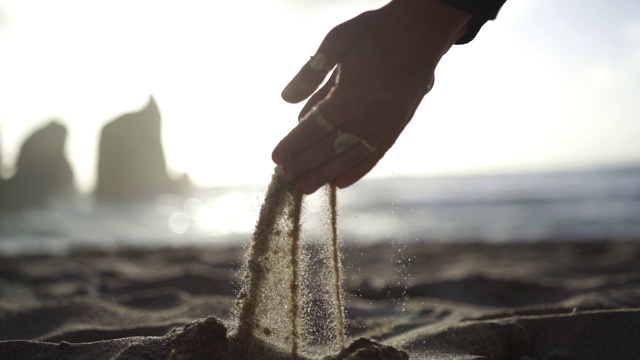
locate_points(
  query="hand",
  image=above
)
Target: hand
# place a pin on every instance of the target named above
(383, 63)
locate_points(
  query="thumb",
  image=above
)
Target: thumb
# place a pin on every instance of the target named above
(332, 50)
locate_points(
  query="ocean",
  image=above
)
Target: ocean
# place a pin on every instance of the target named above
(582, 205)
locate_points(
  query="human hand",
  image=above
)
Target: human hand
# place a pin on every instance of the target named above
(384, 62)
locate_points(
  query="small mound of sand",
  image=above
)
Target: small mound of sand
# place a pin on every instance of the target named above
(207, 339)
(364, 348)
(199, 340)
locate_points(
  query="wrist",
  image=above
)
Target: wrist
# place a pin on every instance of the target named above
(432, 21)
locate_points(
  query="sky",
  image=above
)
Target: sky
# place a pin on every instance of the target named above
(548, 85)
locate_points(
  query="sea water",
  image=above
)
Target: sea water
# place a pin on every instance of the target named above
(582, 205)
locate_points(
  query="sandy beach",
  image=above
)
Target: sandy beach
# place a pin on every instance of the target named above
(552, 300)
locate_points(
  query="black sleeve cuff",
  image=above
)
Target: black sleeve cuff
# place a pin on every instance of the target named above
(482, 11)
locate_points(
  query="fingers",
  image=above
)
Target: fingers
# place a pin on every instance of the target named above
(310, 154)
(359, 171)
(343, 170)
(321, 162)
(360, 106)
(312, 181)
(333, 48)
(338, 143)
(311, 129)
(321, 94)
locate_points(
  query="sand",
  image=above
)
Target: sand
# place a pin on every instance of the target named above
(283, 298)
(283, 293)
(552, 300)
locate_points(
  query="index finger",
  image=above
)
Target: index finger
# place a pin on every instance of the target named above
(308, 131)
(332, 50)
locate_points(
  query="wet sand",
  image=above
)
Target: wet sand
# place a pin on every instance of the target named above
(551, 300)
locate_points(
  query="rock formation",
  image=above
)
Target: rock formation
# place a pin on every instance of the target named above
(131, 163)
(42, 170)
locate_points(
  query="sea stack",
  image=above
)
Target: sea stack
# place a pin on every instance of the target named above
(131, 162)
(41, 172)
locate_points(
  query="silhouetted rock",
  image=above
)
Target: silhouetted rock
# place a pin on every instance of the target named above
(131, 163)
(42, 170)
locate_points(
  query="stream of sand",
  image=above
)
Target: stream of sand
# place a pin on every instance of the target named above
(291, 296)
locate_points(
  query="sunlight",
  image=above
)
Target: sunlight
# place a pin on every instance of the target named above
(216, 71)
(217, 80)
(231, 213)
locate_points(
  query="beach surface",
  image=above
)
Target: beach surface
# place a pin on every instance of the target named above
(545, 300)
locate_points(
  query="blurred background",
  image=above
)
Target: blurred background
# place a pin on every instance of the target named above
(530, 133)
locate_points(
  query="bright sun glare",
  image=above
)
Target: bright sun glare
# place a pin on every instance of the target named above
(216, 71)
(233, 212)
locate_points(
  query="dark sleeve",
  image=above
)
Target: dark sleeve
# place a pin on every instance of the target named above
(482, 11)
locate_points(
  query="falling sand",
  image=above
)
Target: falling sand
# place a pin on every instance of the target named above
(522, 300)
(290, 305)
(289, 299)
